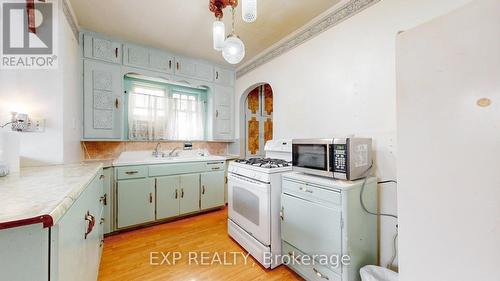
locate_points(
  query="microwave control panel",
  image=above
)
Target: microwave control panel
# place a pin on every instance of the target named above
(340, 158)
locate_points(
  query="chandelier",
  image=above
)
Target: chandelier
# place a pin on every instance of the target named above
(233, 49)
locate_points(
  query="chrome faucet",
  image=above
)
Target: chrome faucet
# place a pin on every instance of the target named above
(156, 152)
(173, 150)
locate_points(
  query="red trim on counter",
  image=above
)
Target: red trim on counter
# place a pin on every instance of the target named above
(46, 220)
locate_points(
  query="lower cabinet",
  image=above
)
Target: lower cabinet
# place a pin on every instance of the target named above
(156, 194)
(212, 189)
(136, 201)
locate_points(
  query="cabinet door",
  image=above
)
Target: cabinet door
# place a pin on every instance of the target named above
(311, 227)
(167, 197)
(134, 55)
(102, 49)
(212, 190)
(224, 77)
(102, 101)
(189, 193)
(161, 61)
(106, 215)
(223, 118)
(184, 67)
(136, 201)
(204, 72)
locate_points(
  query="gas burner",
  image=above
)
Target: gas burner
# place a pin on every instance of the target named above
(265, 162)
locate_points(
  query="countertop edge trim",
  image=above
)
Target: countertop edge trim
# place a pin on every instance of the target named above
(46, 220)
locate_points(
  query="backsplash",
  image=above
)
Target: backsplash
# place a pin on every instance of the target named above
(111, 150)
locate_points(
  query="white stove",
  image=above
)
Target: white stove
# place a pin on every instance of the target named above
(254, 192)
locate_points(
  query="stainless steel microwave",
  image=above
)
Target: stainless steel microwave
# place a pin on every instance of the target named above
(340, 158)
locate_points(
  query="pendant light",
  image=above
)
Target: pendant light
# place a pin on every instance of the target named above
(234, 49)
(249, 10)
(219, 34)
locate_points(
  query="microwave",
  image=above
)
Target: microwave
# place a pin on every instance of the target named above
(340, 158)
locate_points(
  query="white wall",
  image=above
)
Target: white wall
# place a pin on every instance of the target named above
(344, 82)
(54, 95)
(449, 147)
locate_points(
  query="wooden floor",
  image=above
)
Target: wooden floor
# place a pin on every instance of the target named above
(126, 256)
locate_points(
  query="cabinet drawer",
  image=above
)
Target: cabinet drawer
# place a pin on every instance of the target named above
(176, 169)
(308, 269)
(312, 192)
(131, 172)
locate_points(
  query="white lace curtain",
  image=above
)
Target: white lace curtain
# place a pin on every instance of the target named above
(179, 117)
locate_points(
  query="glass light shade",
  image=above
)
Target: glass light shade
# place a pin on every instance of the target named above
(249, 10)
(219, 35)
(234, 49)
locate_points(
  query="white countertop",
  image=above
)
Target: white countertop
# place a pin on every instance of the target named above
(42, 194)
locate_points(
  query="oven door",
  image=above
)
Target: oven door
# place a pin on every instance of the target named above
(249, 208)
(312, 156)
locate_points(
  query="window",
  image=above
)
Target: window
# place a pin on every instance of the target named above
(162, 111)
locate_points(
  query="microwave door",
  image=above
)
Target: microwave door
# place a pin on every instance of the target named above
(312, 158)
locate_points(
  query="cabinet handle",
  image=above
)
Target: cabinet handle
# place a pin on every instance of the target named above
(215, 168)
(319, 274)
(306, 190)
(217, 75)
(117, 103)
(102, 221)
(116, 52)
(101, 177)
(216, 113)
(177, 65)
(104, 199)
(282, 213)
(182, 192)
(131, 172)
(202, 189)
(176, 193)
(169, 64)
(90, 219)
(225, 179)
(150, 197)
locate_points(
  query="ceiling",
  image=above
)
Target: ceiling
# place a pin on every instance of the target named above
(185, 26)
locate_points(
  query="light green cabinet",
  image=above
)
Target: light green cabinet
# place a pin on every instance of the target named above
(136, 201)
(167, 197)
(190, 194)
(212, 190)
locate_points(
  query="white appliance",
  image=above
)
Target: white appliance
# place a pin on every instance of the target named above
(254, 190)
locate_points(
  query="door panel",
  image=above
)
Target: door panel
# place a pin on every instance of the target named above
(311, 227)
(102, 49)
(167, 197)
(212, 189)
(136, 56)
(102, 101)
(136, 202)
(189, 193)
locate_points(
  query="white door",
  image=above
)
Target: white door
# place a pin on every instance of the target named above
(249, 206)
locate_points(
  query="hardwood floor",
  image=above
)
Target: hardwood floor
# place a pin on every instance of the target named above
(127, 256)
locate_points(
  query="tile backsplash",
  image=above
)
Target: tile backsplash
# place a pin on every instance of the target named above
(111, 150)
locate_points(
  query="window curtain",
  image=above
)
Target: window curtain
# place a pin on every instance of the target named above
(164, 118)
(185, 119)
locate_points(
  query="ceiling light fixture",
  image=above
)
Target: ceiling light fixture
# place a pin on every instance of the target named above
(233, 49)
(249, 10)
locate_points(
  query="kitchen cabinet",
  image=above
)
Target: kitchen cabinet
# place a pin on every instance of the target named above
(223, 113)
(167, 197)
(102, 98)
(193, 69)
(148, 58)
(101, 48)
(322, 216)
(175, 189)
(224, 77)
(136, 201)
(190, 194)
(212, 189)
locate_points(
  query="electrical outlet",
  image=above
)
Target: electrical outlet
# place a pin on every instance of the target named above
(36, 126)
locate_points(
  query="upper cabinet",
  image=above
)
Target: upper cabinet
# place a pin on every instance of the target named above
(102, 100)
(223, 76)
(223, 113)
(143, 57)
(102, 49)
(193, 69)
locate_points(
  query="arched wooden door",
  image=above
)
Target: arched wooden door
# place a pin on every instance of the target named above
(258, 120)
